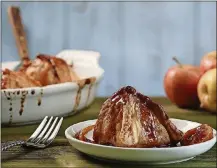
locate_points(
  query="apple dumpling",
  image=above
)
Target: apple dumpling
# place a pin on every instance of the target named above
(130, 119)
(44, 70)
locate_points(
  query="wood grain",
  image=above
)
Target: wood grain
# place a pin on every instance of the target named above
(61, 154)
(137, 40)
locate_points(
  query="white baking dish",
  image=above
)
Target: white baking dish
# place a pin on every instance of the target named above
(29, 105)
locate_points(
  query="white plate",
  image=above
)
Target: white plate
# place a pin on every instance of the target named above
(52, 100)
(140, 155)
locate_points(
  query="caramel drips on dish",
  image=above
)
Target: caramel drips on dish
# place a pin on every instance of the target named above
(78, 98)
(33, 92)
(23, 98)
(92, 80)
(7, 96)
(40, 97)
(10, 107)
(81, 84)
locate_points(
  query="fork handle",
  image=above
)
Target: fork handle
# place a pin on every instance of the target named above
(11, 144)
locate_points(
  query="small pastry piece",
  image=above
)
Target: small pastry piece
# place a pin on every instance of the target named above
(42, 70)
(50, 70)
(63, 70)
(197, 135)
(12, 80)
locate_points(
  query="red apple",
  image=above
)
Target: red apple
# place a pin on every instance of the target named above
(180, 84)
(208, 62)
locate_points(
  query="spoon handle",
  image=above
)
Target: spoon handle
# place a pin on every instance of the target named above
(19, 33)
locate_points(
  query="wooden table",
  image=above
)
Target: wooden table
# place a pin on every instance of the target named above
(61, 154)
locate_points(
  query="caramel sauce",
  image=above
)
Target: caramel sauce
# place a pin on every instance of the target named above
(78, 98)
(147, 117)
(10, 109)
(81, 135)
(47, 67)
(112, 110)
(23, 98)
(54, 70)
(81, 84)
(88, 94)
(10, 105)
(90, 82)
(7, 96)
(174, 134)
(197, 135)
(40, 97)
(33, 92)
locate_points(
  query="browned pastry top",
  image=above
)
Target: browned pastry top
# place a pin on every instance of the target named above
(44, 70)
(50, 70)
(13, 79)
(130, 119)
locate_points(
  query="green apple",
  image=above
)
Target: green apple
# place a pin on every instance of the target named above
(206, 90)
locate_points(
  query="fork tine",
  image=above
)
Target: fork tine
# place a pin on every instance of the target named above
(53, 135)
(36, 140)
(38, 130)
(49, 131)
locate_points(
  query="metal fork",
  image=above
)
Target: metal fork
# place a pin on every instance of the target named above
(43, 135)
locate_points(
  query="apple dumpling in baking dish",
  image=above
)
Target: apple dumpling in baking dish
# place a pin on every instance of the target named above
(44, 70)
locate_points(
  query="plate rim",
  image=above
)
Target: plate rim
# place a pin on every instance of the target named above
(68, 136)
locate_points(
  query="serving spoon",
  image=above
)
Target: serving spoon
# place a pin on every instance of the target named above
(19, 34)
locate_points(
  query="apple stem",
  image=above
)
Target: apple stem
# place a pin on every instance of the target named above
(177, 61)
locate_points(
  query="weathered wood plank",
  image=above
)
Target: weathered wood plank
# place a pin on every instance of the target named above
(61, 154)
(136, 39)
(66, 156)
